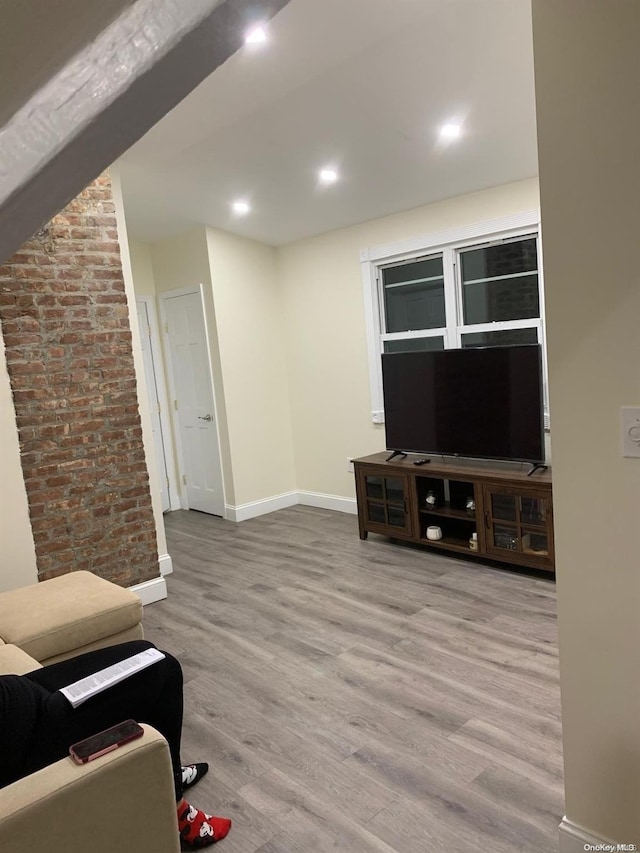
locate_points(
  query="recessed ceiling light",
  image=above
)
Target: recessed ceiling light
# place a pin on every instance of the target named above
(257, 35)
(328, 176)
(240, 208)
(450, 131)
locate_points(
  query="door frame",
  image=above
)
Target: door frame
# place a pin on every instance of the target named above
(175, 426)
(163, 399)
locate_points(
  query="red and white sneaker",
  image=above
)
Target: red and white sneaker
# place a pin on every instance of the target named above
(198, 829)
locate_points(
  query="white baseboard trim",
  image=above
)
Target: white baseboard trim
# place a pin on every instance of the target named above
(251, 510)
(328, 502)
(166, 564)
(150, 591)
(262, 507)
(576, 839)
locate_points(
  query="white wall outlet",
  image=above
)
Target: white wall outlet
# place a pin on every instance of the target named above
(630, 430)
(350, 464)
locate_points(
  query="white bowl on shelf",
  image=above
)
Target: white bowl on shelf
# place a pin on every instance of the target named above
(434, 532)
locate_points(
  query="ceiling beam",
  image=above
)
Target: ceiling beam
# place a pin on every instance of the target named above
(106, 97)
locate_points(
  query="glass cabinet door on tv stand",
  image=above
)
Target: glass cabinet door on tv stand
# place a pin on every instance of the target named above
(384, 498)
(518, 523)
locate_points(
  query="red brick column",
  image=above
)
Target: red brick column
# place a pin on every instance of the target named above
(65, 324)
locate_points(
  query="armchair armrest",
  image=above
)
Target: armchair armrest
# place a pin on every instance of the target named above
(122, 801)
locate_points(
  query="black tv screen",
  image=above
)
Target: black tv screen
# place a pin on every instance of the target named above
(484, 403)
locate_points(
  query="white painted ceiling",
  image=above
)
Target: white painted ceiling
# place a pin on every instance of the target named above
(361, 84)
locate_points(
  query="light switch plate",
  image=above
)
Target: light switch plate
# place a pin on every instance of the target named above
(630, 430)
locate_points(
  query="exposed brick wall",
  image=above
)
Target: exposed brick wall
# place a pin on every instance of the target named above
(66, 331)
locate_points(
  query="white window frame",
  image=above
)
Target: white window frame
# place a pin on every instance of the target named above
(449, 244)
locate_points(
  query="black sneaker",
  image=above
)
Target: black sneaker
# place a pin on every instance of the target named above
(192, 773)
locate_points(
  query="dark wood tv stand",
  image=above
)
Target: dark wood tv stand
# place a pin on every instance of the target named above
(512, 513)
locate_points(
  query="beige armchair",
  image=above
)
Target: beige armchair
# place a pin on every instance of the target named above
(69, 615)
(119, 803)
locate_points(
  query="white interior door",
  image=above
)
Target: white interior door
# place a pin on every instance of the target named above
(194, 407)
(150, 374)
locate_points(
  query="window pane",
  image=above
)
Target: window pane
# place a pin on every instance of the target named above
(376, 512)
(506, 337)
(507, 299)
(396, 517)
(414, 296)
(505, 537)
(503, 507)
(394, 487)
(533, 510)
(503, 259)
(414, 344)
(423, 268)
(500, 282)
(535, 543)
(374, 487)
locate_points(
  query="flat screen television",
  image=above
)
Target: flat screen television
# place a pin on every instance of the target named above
(482, 402)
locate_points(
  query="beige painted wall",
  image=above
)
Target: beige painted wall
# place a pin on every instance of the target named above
(322, 290)
(143, 397)
(181, 261)
(18, 552)
(586, 63)
(250, 328)
(142, 268)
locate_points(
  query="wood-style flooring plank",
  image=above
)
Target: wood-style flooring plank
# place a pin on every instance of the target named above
(319, 824)
(361, 696)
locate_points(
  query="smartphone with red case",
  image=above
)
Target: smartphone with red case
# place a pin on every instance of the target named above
(103, 742)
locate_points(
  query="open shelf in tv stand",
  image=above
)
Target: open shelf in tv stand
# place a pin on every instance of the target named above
(512, 511)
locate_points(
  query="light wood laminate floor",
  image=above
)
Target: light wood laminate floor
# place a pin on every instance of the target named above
(362, 696)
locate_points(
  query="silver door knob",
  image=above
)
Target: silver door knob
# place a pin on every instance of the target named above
(205, 417)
